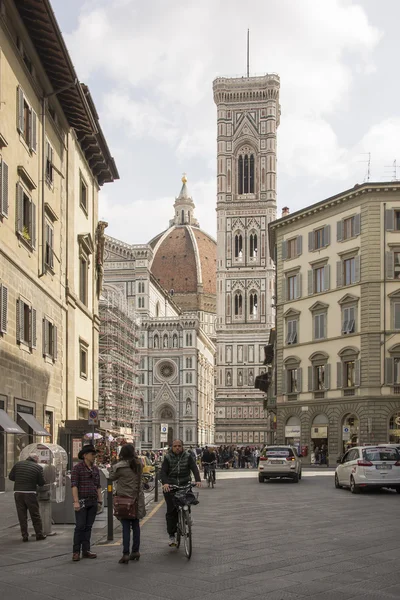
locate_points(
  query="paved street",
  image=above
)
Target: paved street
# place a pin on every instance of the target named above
(275, 541)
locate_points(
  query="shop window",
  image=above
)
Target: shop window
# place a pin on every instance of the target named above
(394, 429)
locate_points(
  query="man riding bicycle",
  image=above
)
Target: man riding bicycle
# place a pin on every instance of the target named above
(209, 457)
(176, 469)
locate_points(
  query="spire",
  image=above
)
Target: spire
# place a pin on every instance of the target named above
(184, 207)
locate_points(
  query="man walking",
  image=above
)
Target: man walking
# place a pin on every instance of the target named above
(86, 494)
(176, 469)
(27, 475)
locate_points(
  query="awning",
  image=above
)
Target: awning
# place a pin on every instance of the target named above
(8, 425)
(33, 424)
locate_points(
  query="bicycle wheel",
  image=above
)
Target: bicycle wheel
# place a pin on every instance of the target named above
(212, 480)
(209, 478)
(179, 528)
(187, 534)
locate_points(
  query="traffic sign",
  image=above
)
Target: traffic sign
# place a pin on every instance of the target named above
(346, 433)
(164, 428)
(93, 417)
(164, 437)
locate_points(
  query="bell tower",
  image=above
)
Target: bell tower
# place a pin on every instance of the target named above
(248, 115)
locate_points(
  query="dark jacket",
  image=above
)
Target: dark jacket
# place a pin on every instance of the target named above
(27, 475)
(208, 456)
(129, 483)
(176, 468)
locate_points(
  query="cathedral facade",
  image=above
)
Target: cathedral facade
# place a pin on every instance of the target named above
(248, 114)
(170, 282)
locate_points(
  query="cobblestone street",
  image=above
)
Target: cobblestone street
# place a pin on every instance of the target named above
(275, 541)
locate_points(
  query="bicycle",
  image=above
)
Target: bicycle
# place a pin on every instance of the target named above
(184, 498)
(210, 473)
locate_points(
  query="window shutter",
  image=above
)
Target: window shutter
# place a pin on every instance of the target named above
(357, 224)
(357, 375)
(323, 324)
(294, 331)
(389, 369)
(51, 243)
(327, 376)
(289, 331)
(45, 338)
(345, 320)
(339, 375)
(20, 115)
(389, 265)
(299, 379)
(327, 277)
(284, 250)
(389, 219)
(20, 319)
(284, 381)
(20, 208)
(357, 274)
(3, 308)
(33, 131)
(327, 235)
(310, 379)
(299, 244)
(298, 290)
(310, 241)
(54, 331)
(4, 189)
(339, 231)
(316, 327)
(33, 224)
(310, 282)
(286, 284)
(339, 274)
(32, 328)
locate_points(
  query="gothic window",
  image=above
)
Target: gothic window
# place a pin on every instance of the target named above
(156, 341)
(183, 217)
(253, 246)
(246, 174)
(165, 341)
(238, 246)
(253, 305)
(238, 304)
(189, 435)
(175, 341)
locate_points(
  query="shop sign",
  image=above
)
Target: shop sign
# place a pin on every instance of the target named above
(319, 432)
(292, 431)
(346, 433)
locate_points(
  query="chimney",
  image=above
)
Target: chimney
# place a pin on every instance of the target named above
(285, 211)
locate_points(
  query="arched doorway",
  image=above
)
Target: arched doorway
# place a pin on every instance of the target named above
(350, 432)
(319, 440)
(167, 417)
(394, 429)
(293, 432)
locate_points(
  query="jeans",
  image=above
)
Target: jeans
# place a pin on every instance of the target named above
(84, 519)
(172, 513)
(127, 524)
(23, 503)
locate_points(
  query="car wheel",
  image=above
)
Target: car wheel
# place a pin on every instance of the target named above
(300, 475)
(398, 490)
(337, 484)
(353, 487)
(261, 479)
(295, 479)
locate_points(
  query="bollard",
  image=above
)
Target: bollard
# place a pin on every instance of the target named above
(110, 516)
(156, 484)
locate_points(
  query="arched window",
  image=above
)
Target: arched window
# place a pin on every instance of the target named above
(183, 217)
(253, 304)
(238, 246)
(246, 174)
(156, 341)
(253, 245)
(238, 304)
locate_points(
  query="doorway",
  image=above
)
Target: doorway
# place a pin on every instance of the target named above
(170, 435)
(350, 432)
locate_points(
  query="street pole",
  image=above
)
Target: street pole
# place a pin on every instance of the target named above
(156, 483)
(110, 517)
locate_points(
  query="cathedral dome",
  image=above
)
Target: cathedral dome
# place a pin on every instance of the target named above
(185, 258)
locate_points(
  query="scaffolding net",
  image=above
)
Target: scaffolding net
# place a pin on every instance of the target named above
(119, 396)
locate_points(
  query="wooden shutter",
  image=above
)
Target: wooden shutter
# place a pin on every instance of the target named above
(357, 224)
(33, 224)
(327, 376)
(339, 273)
(33, 131)
(310, 282)
(54, 332)
(299, 379)
(389, 219)
(339, 231)
(310, 241)
(310, 379)
(323, 325)
(45, 337)
(327, 277)
(294, 331)
(20, 320)
(284, 381)
(389, 371)
(299, 244)
(284, 250)
(327, 235)
(20, 113)
(3, 189)
(316, 327)
(357, 375)
(298, 286)
(339, 375)
(288, 331)
(20, 208)
(3, 308)
(357, 270)
(32, 328)
(389, 265)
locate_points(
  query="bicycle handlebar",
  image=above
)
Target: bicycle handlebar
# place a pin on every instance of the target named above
(181, 487)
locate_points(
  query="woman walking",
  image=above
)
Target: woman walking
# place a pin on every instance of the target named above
(128, 475)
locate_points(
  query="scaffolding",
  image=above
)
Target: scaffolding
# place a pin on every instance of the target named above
(119, 396)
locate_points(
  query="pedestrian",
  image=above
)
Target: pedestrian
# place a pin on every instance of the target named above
(317, 454)
(256, 458)
(27, 475)
(128, 475)
(86, 494)
(176, 469)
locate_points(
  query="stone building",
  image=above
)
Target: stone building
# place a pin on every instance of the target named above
(53, 161)
(338, 320)
(248, 115)
(170, 282)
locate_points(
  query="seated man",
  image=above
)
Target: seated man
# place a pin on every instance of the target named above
(209, 456)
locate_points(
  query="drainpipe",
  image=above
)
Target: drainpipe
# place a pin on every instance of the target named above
(44, 106)
(384, 291)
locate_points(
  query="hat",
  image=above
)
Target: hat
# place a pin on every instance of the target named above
(86, 449)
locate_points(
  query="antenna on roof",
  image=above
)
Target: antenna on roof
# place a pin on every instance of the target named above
(248, 53)
(393, 168)
(368, 172)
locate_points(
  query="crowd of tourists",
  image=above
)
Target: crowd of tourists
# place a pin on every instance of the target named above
(235, 457)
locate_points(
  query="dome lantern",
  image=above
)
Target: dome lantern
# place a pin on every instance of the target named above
(184, 207)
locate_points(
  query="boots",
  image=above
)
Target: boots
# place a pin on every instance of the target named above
(134, 556)
(124, 560)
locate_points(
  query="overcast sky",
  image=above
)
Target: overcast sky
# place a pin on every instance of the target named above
(150, 67)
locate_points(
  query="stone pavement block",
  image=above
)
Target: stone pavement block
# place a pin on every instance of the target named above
(305, 576)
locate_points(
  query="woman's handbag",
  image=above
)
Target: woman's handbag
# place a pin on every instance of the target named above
(125, 508)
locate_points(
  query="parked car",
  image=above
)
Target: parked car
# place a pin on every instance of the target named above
(369, 467)
(281, 462)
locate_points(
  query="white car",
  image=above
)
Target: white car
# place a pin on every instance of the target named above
(369, 467)
(281, 462)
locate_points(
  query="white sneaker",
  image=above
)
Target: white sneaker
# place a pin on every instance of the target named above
(171, 541)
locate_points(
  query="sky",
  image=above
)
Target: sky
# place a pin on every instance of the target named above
(150, 67)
